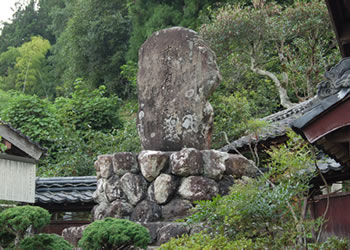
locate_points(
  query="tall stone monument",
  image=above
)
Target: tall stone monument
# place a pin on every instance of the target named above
(177, 74)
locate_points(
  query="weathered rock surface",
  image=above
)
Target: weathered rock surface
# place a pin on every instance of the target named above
(134, 187)
(238, 166)
(177, 73)
(171, 231)
(224, 184)
(73, 234)
(112, 189)
(104, 165)
(176, 209)
(100, 211)
(153, 228)
(99, 195)
(146, 211)
(186, 162)
(195, 188)
(214, 163)
(119, 209)
(164, 187)
(125, 162)
(152, 163)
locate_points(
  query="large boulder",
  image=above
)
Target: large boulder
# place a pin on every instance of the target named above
(195, 188)
(177, 74)
(112, 189)
(146, 211)
(238, 166)
(104, 165)
(164, 187)
(99, 195)
(73, 234)
(186, 162)
(152, 163)
(134, 187)
(119, 209)
(214, 163)
(125, 162)
(176, 209)
(172, 230)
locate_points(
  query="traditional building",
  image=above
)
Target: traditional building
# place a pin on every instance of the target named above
(17, 165)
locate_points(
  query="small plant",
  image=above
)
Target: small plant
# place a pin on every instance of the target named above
(112, 233)
(45, 242)
(16, 221)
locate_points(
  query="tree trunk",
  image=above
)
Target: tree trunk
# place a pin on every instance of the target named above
(284, 99)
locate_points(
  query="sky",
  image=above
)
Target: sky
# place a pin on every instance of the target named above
(5, 9)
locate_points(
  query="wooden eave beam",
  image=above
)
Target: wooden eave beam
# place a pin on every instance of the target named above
(339, 13)
(332, 120)
(20, 142)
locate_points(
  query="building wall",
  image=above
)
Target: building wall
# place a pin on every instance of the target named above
(17, 181)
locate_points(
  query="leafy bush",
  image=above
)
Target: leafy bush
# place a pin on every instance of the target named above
(270, 210)
(45, 242)
(16, 221)
(202, 241)
(112, 233)
(33, 116)
(89, 109)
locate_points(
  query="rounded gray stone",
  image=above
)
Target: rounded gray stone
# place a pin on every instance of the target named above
(146, 211)
(186, 162)
(195, 188)
(125, 162)
(134, 187)
(152, 163)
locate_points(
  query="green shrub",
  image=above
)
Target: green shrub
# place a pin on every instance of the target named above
(33, 116)
(45, 242)
(89, 109)
(16, 221)
(267, 210)
(112, 233)
(202, 241)
(332, 242)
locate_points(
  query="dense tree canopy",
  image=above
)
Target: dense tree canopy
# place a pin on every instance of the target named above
(75, 64)
(94, 43)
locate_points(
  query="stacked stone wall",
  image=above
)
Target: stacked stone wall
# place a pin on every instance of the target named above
(156, 188)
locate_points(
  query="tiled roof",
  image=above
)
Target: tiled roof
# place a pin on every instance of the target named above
(61, 190)
(277, 125)
(327, 164)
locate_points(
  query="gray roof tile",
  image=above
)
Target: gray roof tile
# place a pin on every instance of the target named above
(277, 125)
(65, 189)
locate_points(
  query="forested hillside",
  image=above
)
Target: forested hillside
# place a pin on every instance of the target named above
(68, 68)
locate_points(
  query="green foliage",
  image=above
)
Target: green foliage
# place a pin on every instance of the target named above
(45, 242)
(332, 242)
(28, 20)
(30, 62)
(231, 116)
(129, 72)
(112, 233)
(269, 210)
(93, 45)
(150, 16)
(88, 109)
(16, 221)
(32, 116)
(202, 241)
(279, 40)
(75, 129)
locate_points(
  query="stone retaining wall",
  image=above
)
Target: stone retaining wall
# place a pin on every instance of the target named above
(155, 188)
